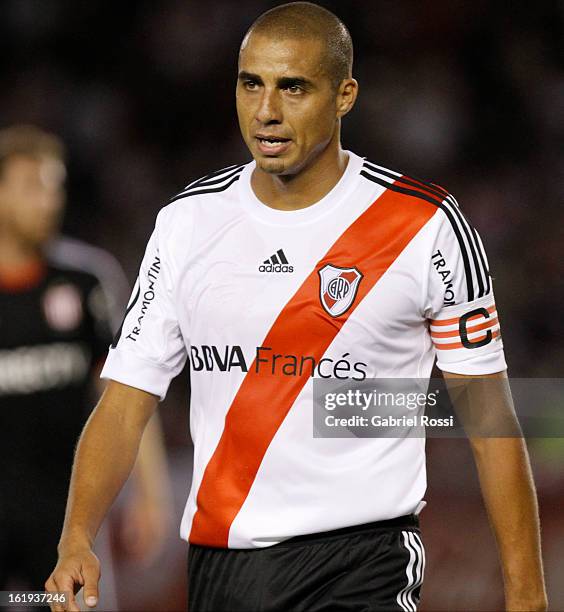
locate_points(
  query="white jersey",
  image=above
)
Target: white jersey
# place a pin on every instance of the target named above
(376, 279)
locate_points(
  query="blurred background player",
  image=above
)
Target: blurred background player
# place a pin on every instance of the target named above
(58, 305)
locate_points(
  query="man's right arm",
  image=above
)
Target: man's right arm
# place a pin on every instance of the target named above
(105, 456)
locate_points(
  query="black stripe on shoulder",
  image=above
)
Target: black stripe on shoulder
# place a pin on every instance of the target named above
(481, 268)
(187, 194)
(482, 255)
(214, 178)
(212, 175)
(216, 181)
(437, 202)
(117, 337)
(476, 250)
(438, 192)
(469, 232)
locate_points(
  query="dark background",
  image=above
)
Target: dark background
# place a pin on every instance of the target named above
(469, 95)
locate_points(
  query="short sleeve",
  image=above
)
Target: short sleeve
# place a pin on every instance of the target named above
(460, 304)
(148, 350)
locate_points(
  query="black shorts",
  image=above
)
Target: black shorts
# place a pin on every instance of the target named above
(372, 567)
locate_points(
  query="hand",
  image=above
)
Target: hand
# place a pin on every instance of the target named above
(75, 569)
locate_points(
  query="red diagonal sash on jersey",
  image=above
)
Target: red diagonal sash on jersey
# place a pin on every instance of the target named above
(303, 327)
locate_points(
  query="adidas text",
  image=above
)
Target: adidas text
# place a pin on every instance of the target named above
(276, 268)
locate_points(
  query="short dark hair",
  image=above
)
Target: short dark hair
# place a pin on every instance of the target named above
(307, 20)
(28, 141)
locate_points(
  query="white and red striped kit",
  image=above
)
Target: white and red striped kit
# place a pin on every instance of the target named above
(374, 280)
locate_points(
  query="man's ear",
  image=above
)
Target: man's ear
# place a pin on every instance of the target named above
(346, 96)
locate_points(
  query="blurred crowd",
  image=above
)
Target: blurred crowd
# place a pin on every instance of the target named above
(469, 95)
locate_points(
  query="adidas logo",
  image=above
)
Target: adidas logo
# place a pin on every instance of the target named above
(276, 263)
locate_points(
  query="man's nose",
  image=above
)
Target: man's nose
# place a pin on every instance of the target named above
(269, 110)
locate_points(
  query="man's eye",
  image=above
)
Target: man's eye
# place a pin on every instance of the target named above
(250, 85)
(294, 89)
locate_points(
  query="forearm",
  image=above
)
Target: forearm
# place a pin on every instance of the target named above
(104, 459)
(509, 495)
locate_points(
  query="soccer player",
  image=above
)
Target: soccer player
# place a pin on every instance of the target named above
(58, 302)
(308, 262)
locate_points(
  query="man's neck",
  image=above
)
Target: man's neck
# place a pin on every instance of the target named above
(304, 188)
(15, 253)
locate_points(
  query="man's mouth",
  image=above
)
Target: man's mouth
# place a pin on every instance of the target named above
(272, 145)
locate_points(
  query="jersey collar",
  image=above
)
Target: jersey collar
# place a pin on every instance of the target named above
(304, 215)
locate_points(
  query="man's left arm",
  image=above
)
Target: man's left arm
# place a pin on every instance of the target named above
(148, 511)
(506, 482)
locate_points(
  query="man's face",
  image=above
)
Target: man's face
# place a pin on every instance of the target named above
(32, 197)
(285, 102)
